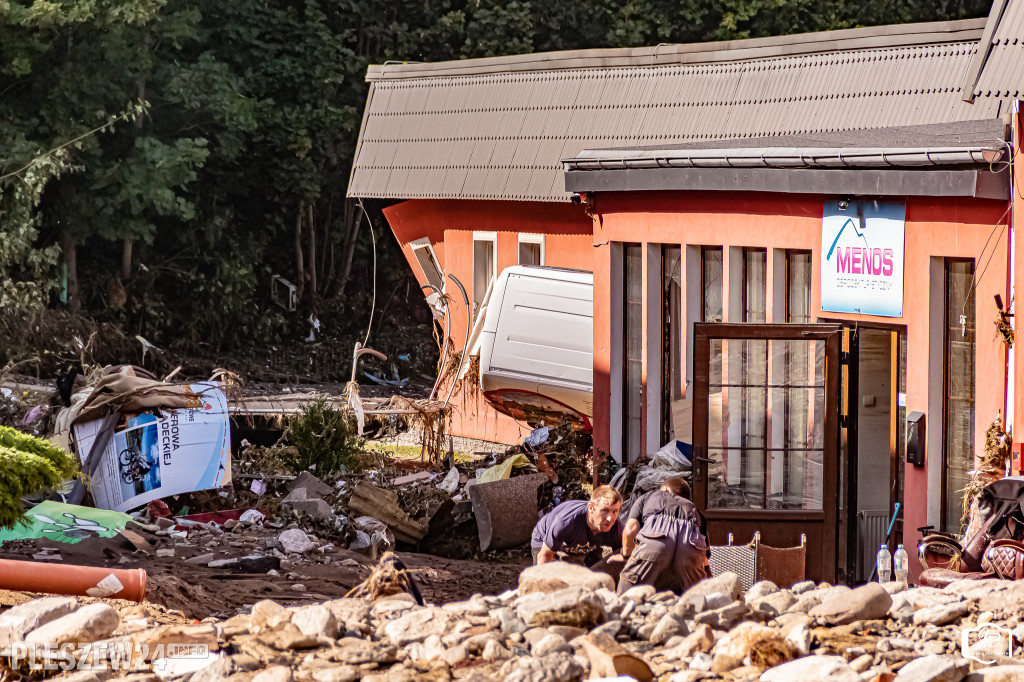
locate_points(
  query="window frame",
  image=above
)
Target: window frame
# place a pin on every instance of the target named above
(491, 237)
(423, 243)
(532, 238)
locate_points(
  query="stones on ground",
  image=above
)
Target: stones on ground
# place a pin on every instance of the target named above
(90, 623)
(549, 644)
(667, 628)
(639, 593)
(316, 621)
(417, 625)
(305, 502)
(571, 606)
(941, 614)
(761, 588)
(311, 483)
(222, 563)
(275, 673)
(557, 667)
(812, 669)
(18, 621)
(1000, 673)
(724, 618)
(339, 673)
(775, 603)
(868, 602)
(732, 649)
(558, 575)
(202, 558)
(294, 541)
(934, 669)
(726, 583)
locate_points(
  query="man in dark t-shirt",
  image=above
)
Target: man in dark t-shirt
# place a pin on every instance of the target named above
(579, 523)
(665, 539)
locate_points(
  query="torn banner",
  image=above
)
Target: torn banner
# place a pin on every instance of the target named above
(160, 453)
(68, 523)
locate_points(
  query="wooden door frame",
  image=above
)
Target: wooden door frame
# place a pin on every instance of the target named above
(703, 333)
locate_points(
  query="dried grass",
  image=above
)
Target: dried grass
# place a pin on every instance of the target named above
(994, 465)
(384, 580)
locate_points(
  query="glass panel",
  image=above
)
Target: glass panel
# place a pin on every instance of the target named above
(798, 287)
(632, 385)
(959, 388)
(529, 253)
(429, 266)
(755, 274)
(766, 425)
(671, 334)
(483, 271)
(711, 283)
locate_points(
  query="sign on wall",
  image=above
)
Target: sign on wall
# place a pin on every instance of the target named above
(862, 258)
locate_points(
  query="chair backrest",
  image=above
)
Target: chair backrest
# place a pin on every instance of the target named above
(738, 559)
(784, 566)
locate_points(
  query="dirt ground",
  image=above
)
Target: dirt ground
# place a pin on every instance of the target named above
(197, 591)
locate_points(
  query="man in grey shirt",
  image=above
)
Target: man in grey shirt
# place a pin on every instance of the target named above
(665, 540)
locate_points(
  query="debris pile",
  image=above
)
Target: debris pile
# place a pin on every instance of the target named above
(563, 623)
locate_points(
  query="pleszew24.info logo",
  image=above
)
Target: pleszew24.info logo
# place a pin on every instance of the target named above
(986, 643)
(117, 656)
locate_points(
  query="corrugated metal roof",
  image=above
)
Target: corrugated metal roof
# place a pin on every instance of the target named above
(498, 128)
(997, 69)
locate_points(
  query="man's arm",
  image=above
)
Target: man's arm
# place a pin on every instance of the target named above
(545, 555)
(629, 537)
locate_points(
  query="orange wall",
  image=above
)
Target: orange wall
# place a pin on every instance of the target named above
(1018, 266)
(935, 227)
(450, 225)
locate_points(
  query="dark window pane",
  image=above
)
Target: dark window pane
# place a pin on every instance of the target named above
(755, 276)
(671, 334)
(959, 389)
(632, 326)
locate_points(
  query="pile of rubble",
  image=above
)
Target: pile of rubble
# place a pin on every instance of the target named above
(564, 623)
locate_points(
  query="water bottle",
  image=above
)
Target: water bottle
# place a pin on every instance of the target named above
(901, 564)
(884, 563)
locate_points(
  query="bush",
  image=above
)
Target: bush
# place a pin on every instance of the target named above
(28, 465)
(326, 440)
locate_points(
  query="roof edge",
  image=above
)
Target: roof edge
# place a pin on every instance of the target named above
(889, 35)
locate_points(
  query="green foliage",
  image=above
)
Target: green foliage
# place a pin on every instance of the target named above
(28, 465)
(326, 440)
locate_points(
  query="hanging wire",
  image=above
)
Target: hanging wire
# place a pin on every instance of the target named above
(373, 303)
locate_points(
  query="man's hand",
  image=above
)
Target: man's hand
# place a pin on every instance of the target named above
(545, 555)
(629, 537)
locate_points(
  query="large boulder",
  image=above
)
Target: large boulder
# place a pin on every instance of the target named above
(867, 602)
(934, 669)
(732, 649)
(727, 583)
(558, 575)
(812, 669)
(573, 606)
(417, 625)
(90, 623)
(24, 618)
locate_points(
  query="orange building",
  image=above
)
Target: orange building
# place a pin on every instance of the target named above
(797, 244)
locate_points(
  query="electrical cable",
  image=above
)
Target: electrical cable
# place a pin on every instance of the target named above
(373, 302)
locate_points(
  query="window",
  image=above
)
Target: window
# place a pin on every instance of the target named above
(798, 485)
(750, 472)
(671, 334)
(424, 254)
(531, 249)
(484, 266)
(755, 274)
(711, 274)
(958, 381)
(632, 330)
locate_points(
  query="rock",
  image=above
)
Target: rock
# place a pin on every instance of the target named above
(353, 651)
(301, 501)
(493, 651)
(862, 663)
(316, 621)
(732, 649)
(267, 614)
(275, 673)
(340, 673)
(802, 587)
(550, 644)
(775, 603)
(557, 667)
(571, 606)
(999, 673)
(725, 617)
(558, 575)
(800, 639)
(167, 552)
(311, 483)
(417, 625)
(639, 593)
(941, 614)
(805, 602)
(894, 586)
(353, 615)
(726, 583)
(667, 628)
(258, 563)
(90, 623)
(700, 640)
(428, 650)
(812, 669)
(567, 632)
(222, 563)
(18, 621)
(201, 559)
(761, 588)
(294, 541)
(934, 669)
(455, 655)
(509, 620)
(868, 602)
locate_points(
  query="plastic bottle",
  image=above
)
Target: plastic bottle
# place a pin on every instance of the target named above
(884, 563)
(901, 564)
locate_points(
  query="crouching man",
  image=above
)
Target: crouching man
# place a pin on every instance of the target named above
(577, 526)
(665, 540)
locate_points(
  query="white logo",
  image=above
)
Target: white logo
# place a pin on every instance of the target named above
(985, 643)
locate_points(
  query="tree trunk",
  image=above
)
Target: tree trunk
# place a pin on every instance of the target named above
(350, 249)
(126, 258)
(300, 270)
(312, 253)
(70, 248)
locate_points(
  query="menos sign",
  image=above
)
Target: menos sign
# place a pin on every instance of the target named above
(862, 258)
